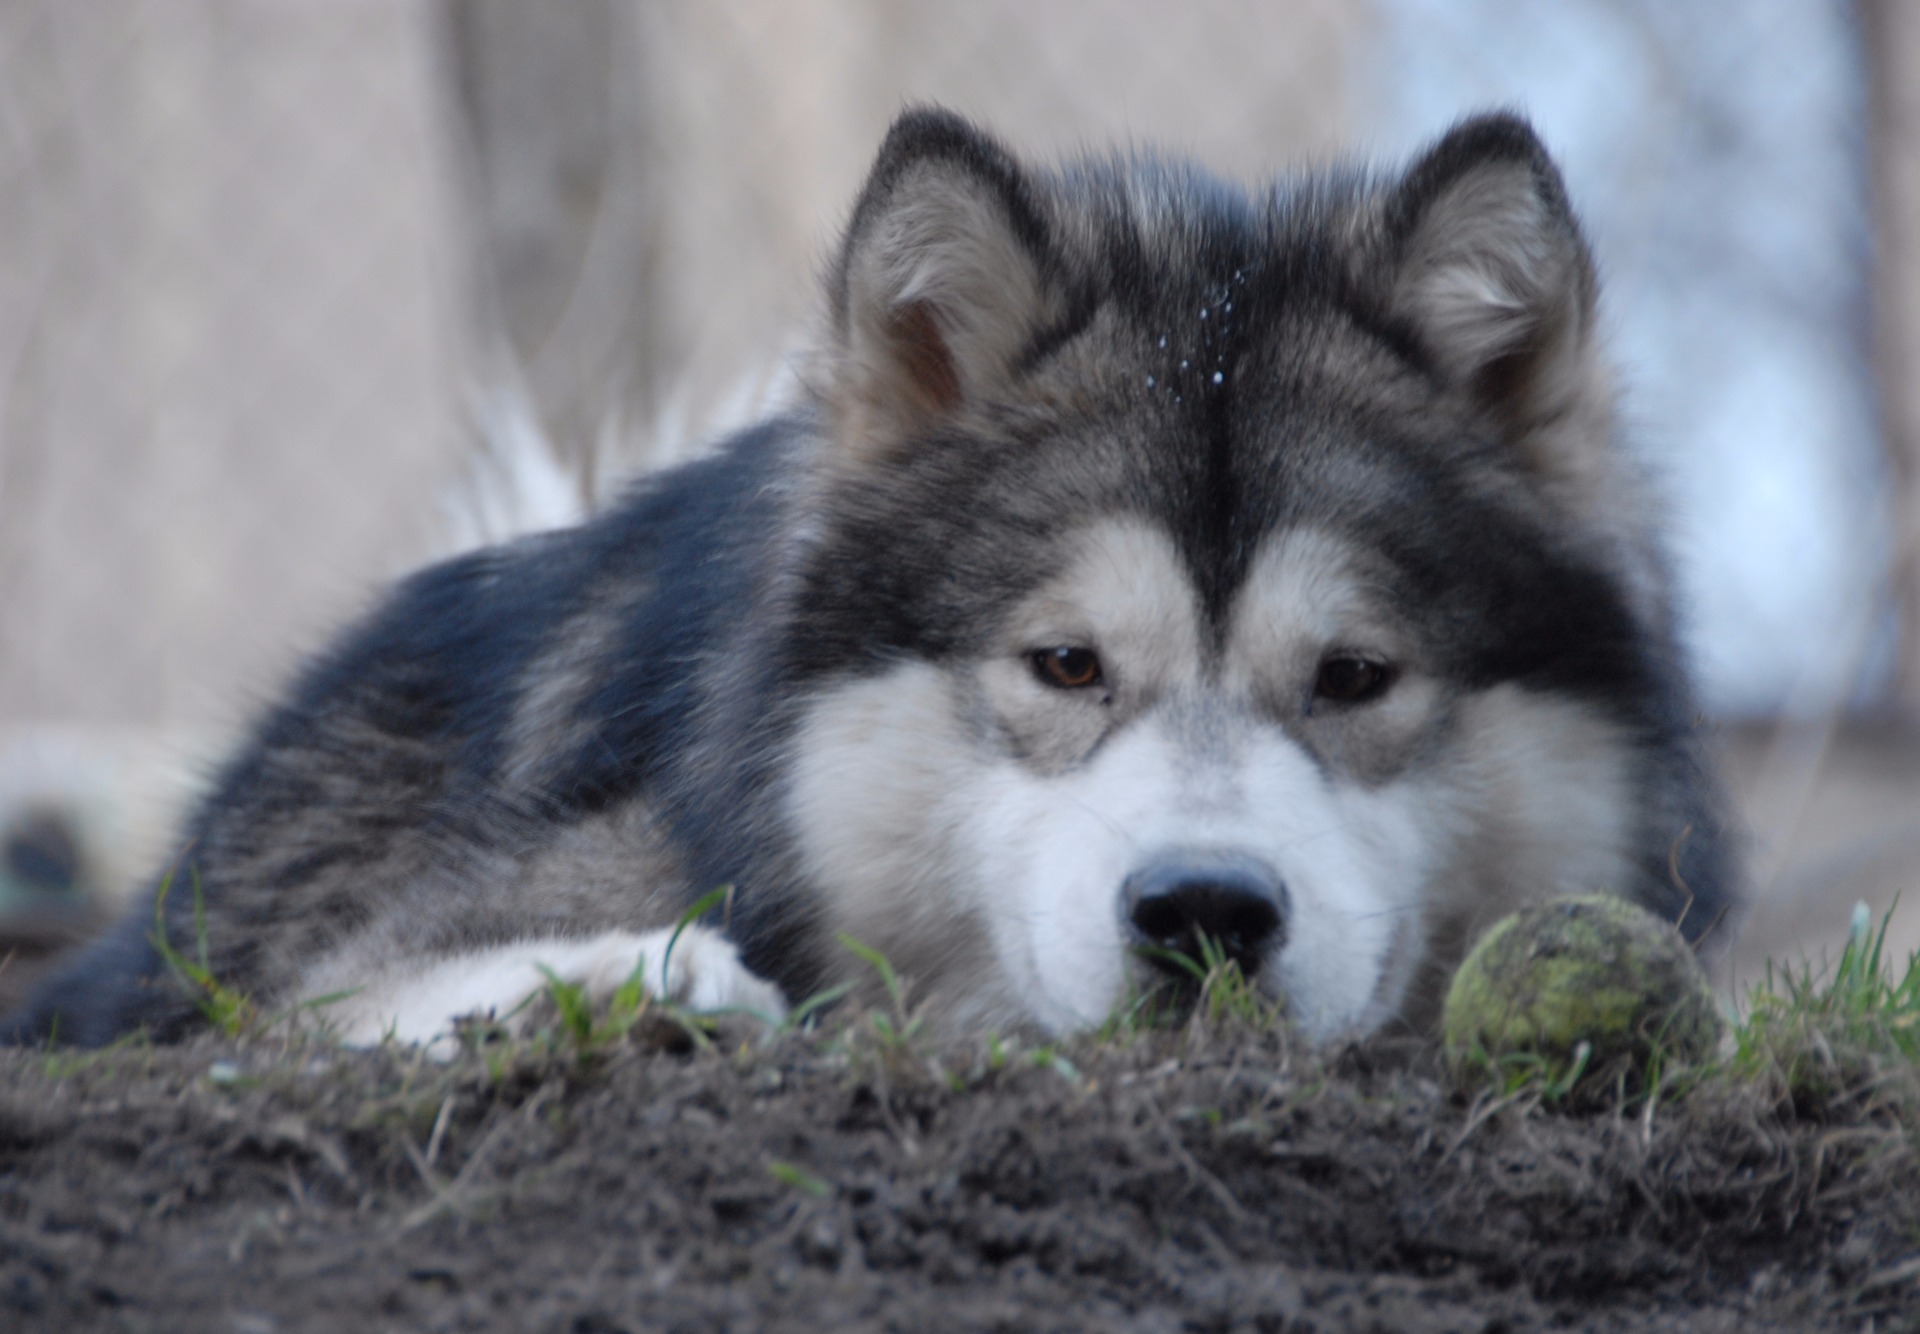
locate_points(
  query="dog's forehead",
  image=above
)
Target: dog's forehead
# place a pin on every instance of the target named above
(1285, 483)
(1137, 501)
(1247, 385)
(1123, 581)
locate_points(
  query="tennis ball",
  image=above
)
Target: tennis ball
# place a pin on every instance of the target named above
(1594, 969)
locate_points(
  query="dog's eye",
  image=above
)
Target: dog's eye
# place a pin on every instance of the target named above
(1067, 668)
(1346, 679)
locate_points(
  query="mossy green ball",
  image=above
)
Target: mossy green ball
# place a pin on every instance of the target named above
(1594, 969)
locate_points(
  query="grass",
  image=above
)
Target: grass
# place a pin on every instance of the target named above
(1577, 1080)
(1811, 1037)
(1817, 1038)
(58, 1062)
(1204, 996)
(897, 1028)
(229, 1011)
(799, 1178)
(1218, 994)
(591, 1029)
(890, 1041)
(588, 1028)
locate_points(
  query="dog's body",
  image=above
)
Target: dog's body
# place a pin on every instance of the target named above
(1147, 560)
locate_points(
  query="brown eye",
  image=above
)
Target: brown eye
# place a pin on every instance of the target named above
(1067, 668)
(1346, 679)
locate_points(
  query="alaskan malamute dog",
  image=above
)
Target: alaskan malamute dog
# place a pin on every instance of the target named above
(1148, 559)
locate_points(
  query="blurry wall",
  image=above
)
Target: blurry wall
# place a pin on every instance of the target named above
(1891, 32)
(224, 335)
(228, 236)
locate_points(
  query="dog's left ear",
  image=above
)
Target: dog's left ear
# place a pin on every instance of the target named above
(944, 278)
(1491, 273)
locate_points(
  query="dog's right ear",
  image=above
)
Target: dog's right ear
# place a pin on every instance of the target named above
(943, 279)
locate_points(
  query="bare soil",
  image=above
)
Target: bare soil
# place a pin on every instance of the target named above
(1175, 1183)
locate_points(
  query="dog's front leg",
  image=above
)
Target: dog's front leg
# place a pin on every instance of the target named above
(701, 970)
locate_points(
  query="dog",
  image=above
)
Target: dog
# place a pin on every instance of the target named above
(1147, 565)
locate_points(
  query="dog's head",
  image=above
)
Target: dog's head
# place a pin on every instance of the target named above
(1180, 562)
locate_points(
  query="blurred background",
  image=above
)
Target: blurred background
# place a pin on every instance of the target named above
(266, 266)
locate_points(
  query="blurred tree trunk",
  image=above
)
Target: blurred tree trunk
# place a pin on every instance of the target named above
(1892, 33)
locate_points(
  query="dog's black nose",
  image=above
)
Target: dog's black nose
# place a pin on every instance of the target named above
(1236, 901)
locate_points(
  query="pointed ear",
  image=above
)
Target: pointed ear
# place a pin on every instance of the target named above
(944, 278)
(1493, 276)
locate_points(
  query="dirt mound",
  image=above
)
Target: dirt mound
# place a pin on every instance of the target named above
(1229, 1184)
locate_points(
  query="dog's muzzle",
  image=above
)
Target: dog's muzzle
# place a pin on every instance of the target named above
(1235, 900)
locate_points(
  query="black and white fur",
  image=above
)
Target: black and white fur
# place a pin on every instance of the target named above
(1148, 557)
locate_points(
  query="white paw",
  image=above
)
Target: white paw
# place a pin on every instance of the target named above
(702, 973)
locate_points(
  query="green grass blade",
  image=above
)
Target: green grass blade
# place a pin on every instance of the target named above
(799, 1178)
(880, 964)
(701, 907)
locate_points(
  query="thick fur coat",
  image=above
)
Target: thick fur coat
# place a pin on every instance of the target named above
(1148, 558)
